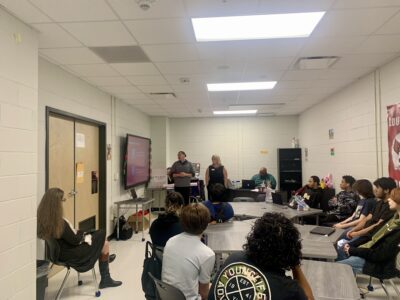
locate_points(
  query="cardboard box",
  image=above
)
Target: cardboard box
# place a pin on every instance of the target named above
(132, 221)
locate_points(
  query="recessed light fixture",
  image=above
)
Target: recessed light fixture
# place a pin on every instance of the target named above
(240, 86)
(235, 112)
(256, 27)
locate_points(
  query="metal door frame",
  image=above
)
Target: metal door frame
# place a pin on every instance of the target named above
(102, 156)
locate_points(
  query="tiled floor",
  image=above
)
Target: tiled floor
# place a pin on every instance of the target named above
(128, 268)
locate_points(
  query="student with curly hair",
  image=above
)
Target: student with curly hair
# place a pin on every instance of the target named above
(273, 247)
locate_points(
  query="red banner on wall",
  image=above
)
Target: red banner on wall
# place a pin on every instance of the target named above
(393, 117)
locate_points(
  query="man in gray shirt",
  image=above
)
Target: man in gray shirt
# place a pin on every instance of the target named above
(182, 171)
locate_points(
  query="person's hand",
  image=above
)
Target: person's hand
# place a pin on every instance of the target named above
(334, 201)
(213, 222)
(338, 225)
(346, 249)
(351, 234)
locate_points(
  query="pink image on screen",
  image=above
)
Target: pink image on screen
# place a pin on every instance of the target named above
(138, 153)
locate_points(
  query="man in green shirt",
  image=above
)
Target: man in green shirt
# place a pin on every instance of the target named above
(263, 176)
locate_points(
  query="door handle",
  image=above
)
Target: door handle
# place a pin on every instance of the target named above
(72, 193)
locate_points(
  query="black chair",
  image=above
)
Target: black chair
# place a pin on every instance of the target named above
(243, 199)
(53, 253)
(166, 291)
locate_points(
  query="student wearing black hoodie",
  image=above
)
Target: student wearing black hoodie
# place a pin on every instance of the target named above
(167, 224)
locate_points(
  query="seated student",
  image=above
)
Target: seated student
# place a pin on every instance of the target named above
(74, 245)
(342, 206)
(312, 192)
(377, 256)
(264, 177)
(381, 212)
(187, 262)
(220, 211)
(167, 224)
(273, 247)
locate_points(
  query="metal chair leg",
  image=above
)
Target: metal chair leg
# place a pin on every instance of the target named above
(96, 285)
(385, 289)
(394, 287)
(63, 284)
(80, 282)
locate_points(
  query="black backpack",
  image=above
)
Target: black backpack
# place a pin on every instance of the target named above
(152, 264)
(125, 230)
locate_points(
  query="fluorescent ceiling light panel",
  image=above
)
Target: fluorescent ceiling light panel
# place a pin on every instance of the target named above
(235, 112)
(256, 27)
(240, 86)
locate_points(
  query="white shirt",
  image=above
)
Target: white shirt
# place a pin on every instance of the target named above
(186, 262)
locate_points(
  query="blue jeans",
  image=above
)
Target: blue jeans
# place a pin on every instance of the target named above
(355, 262)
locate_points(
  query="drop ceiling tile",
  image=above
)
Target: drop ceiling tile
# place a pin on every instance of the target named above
(76, 10)
(340, 4)
(93, 70)
(130, 10)
(97, 34)
(174, 52)
(203, 94)
(162, 31)
(330, 46)
(351, 61)
(53, 36)
(69, 56)
(147, 80)
(135, 69)
(183, 67)
(155, 89)
(139, 101)
(24, 10)
(379, 44)
(191, 87)
(294, 84)
(279, 63)
(353, 22)
(107, 81)
(265, 75)
(293, 6)
(392, 26)
(175, 79)
(118, 90)
(211, 8)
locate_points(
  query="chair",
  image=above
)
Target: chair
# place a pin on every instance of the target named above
(243, 199)
(384, 277)
(53, 253)
(166, 291)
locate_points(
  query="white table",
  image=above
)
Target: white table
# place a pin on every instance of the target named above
(257, 209)
(331, 281)
(143, 203)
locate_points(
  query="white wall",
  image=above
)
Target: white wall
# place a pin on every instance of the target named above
(241, 142)
(61, 90)
(18, 159)
(359, 118)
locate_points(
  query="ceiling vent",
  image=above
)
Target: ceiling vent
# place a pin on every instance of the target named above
(316, 62)
(163, 96)
(121, 54)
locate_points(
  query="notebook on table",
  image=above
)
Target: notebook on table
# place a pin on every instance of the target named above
(322, 230)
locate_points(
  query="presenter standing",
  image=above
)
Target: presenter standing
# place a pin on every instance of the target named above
(182, 171)
(216, 173)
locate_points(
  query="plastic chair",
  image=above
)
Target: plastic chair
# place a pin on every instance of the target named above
(166, 291)
(53, 253)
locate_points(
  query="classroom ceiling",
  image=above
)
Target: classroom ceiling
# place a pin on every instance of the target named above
(365, 34)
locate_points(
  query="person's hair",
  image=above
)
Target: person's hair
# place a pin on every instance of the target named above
(50, 222)
(364, 188)
(182, 152)
(315, 179)
(216, 157)
(195, 218)
(173, 203)
(217, 193)
(395, 195)
(349, 180)
(274, 243)
(386, 183)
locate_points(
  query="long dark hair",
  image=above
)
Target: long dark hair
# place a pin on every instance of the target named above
(50, 222)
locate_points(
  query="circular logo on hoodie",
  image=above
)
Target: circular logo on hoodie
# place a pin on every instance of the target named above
(241, 281)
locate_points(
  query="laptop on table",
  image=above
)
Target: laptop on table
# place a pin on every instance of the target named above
(322, 230)
(248, 184)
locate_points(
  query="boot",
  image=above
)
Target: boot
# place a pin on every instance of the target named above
(106, 280)
(111, 258)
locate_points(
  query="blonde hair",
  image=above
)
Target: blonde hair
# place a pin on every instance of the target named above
(217, 158)
(395, 195)
(50, 222)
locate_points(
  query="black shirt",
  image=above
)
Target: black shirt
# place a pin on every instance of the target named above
(313, 197)
(241, 279)
(380, 212)
(216, 175)
(163, 228)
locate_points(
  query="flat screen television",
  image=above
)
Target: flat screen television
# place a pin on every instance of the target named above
(137, 161)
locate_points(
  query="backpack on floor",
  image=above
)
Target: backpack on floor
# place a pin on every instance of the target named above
(125, 230)
(152, 264)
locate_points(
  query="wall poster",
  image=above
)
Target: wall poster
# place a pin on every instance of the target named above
(393, 118)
